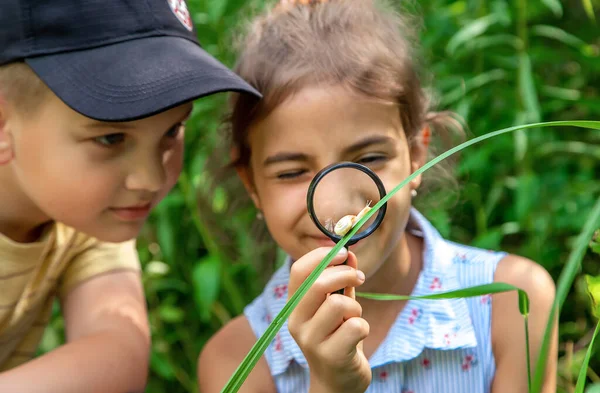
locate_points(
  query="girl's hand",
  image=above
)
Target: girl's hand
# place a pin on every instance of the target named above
(328, 327)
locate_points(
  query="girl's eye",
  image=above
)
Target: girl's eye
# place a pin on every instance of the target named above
(110, 139)
(372, 159)
(291, 174)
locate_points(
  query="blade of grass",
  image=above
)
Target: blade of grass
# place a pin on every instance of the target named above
(586, 361)
(555, 6)
(589, 9)
(257, 350)
(478, 290)
(565, 281)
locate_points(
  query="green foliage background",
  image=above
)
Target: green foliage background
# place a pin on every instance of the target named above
(497, 63)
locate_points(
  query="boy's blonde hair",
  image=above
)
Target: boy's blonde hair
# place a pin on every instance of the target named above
(21, 88)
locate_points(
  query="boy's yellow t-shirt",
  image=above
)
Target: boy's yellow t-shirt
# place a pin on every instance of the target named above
(32, 274)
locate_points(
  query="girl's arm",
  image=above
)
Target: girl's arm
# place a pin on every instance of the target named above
(222, 355)
(107, 345)
(508, 335)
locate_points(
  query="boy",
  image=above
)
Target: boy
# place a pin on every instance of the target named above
(93, 97)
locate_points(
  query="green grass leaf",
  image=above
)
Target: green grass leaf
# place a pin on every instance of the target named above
(586, 361)
(527, 89)
(479, 290)
(559, 35)
(593, 288)
(589, 9)
(595, 242)
(206, 278)
(565, 281)
(555, 6)
(263, 342)
(470, 31)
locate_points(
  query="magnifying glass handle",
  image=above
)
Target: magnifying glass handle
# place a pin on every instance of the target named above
(341, 291)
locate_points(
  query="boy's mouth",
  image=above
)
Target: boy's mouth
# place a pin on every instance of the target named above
(132, 213)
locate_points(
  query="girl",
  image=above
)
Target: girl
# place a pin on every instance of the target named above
(340, 84)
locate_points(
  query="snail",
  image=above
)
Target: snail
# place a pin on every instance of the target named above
(346, 223)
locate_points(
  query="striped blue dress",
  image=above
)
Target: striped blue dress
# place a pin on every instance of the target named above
(433, 346)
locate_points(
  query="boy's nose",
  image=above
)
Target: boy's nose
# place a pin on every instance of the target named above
(147, 175)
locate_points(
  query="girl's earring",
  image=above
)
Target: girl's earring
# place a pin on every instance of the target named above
(259, 215)
(413, 193)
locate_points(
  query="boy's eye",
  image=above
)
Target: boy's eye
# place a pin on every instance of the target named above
(175, 130)
(110, 139)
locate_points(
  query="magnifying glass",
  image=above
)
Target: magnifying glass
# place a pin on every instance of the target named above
(339, 195)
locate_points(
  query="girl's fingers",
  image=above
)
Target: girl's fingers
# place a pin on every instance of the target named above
(342, 344)
(332, 279)
(302, 268)
(330, 316)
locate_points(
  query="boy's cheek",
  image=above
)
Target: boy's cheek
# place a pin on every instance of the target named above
(173, 166)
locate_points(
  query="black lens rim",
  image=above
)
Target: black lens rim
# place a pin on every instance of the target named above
(311, 193)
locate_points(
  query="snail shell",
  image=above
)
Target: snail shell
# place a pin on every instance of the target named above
(344, 225)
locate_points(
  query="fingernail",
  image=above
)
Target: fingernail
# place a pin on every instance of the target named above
(343, 251)
(360, 275)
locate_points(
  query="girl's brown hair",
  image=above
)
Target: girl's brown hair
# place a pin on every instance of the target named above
(366, 46)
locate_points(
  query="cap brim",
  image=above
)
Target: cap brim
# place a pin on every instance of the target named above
(135, 79)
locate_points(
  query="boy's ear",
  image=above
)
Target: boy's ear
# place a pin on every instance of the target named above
(418, 154)
(245, 175)
(6, 145)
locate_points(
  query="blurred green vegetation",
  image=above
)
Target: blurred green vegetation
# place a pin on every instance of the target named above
(497, 64)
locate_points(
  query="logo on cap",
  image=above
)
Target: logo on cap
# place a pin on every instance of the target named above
(179, 8)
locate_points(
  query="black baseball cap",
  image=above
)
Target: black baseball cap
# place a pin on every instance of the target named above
(114, 60)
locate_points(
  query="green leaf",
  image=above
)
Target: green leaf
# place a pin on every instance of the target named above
(489, 41)
(554, 6)
(216, 10)
(559, 35)
(472, 84)
(490, 239)
(470, 31)
(527, 89)
(584, 367)
(595, 242)
(595, 388)
(589, 9)
(257, 350)
(161, 366)
(170, 314)
(206, 278)
(526, 195)
(565, 281)
(593, 288)
(478, 290)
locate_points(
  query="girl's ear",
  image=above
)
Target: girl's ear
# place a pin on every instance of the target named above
(418, 154)
(245, 174)
(6, 145)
